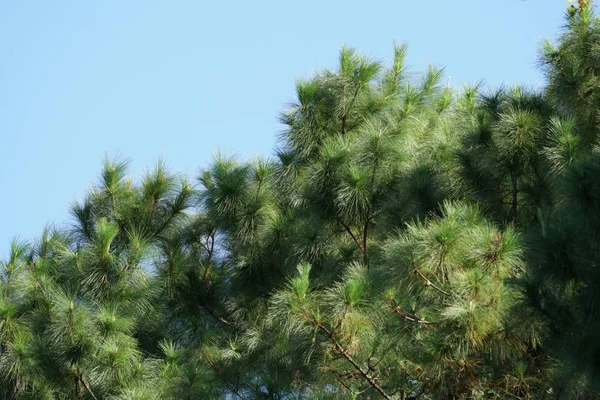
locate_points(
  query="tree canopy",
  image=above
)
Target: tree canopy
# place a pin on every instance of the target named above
(407, 241)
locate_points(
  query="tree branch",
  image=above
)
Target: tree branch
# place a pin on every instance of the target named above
(217, 317)
(429, 283)
(414, 318)
(365, 237)
(229, 385)
(210, 249)
(347, 228)
(86, 386)
(339, 379)
(337, 347)
(515, 197)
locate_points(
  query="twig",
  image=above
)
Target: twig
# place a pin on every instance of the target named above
(87, 387)
(429, 283)
(218, 317)
(229, 385)
(365, 238)
(415, 318)
(347, 228)
(339, 379)
(349, 358)
(210, 251)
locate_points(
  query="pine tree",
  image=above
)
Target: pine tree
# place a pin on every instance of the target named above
(407, 241)
(564, 281)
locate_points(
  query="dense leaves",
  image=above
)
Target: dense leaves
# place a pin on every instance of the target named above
(407, 241)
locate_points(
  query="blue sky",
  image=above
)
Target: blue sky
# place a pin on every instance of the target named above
(184, 79)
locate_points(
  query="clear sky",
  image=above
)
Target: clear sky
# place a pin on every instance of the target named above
(183, 79)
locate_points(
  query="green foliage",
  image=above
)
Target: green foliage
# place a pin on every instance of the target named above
(408, 241)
